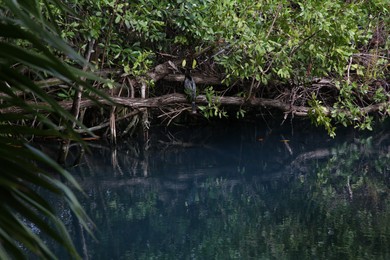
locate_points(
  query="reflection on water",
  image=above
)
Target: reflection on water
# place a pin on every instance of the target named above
(239, 193)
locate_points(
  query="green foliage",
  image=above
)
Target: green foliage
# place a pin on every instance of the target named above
(240, 113)
(23, 167)
(139, 26)
(318, 115)
(213, 108)
(66, 94)
(347, 110)
(142, 63)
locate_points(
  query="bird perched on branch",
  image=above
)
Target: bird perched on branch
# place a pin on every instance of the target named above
(190, 89)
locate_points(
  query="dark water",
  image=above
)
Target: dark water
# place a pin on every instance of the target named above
(248, 191)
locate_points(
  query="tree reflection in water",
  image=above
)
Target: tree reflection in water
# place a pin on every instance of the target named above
(233, 196)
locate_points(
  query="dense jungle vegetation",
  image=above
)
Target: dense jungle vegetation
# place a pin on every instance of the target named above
(324, 59)
(93, 67)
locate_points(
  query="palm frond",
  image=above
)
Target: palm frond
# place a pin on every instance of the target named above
(22, 172)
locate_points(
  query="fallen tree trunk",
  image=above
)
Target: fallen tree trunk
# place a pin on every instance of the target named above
(176, 98)
(170, 99)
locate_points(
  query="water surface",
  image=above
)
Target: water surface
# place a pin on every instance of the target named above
(250, 191)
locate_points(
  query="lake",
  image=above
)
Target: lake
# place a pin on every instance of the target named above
(237, 191)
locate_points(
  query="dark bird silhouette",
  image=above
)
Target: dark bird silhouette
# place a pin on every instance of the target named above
(190, 89)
